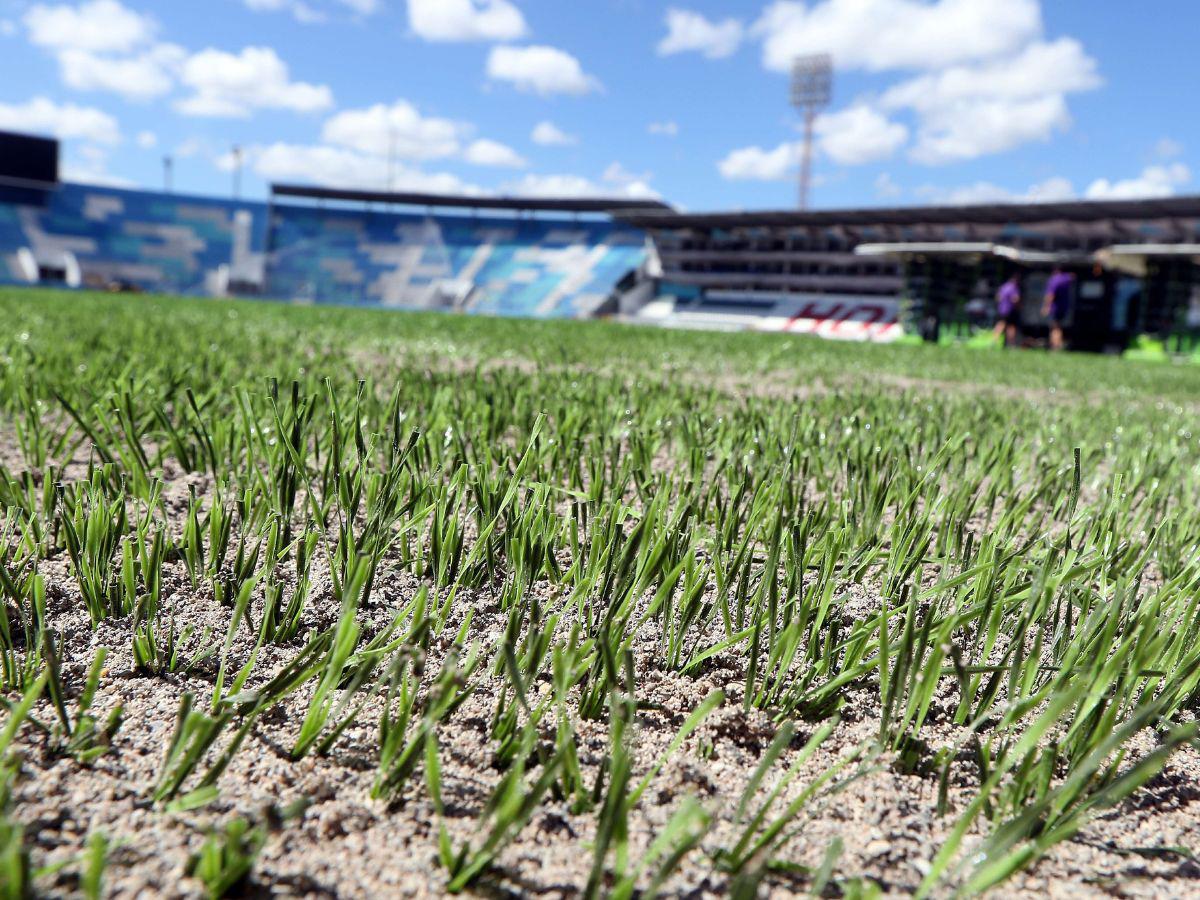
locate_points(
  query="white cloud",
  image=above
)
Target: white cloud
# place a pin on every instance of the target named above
(691, 32)
(540, 70)
(575, 186)
(228, 161)
(466, 20)
(307, 13)
(665, 129)
(976, 128)
(300, 10)
(193, 146)
(968, 111)
(629, 184)
(65, 121)
(1059, 67)
(485, 152)
(104, 46)
(547, 134)
(851, 136)
(98, 26)
(1168, 148)
(553, 186)
(878, 35)
(1155, 181)
(363, 7)
(232, 85)
(88, 164)
(637, 190)
(399, 130)
(990, 81)
(143, 76)
(87, 173)
(886, 187)
(338, 167)
(859, 135)
(147, 140)
(1052, 190)
(757, 164)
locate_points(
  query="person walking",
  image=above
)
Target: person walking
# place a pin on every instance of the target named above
(1057, 305)
(1008, 310)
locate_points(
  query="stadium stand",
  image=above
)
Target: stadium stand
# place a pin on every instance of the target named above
(930, 270)
(523, 258)
(513, 265)
(89, 236)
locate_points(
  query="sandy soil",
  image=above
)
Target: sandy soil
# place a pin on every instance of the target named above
(347, 845)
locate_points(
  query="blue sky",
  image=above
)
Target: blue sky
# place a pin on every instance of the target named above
(935, 100)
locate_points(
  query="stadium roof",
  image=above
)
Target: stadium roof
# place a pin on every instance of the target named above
(531, 204)
(995, 213)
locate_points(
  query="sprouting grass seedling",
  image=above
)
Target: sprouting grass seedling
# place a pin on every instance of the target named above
(540, 553)
(508, 810)
(79, 735)
(682, 835)
(91, 879)
(227, 857)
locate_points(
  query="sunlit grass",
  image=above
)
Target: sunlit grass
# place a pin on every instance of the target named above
(1012, 533)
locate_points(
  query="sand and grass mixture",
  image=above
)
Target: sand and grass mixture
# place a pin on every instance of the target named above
(303, 602)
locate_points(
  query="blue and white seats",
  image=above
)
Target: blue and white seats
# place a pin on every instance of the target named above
(498, 264)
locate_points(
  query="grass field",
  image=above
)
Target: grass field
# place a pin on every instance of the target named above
(334, 602)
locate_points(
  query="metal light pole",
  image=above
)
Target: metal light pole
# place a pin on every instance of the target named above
(237, 171)
(168, 167)
(812, 91)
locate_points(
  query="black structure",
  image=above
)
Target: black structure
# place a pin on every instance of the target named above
(27, 161)
(1095, 212)
(514, 204)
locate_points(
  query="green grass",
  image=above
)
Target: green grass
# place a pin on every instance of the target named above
(1024, 524)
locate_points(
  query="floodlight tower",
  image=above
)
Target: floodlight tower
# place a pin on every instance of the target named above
(812, 91)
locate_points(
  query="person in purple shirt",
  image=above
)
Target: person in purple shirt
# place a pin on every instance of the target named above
(1008, 310)
(1057, 304)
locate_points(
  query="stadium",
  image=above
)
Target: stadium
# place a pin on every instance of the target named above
(850, 274)
(455, 514)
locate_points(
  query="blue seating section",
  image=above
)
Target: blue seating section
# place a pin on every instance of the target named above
(513, 266)
(495, 265)
(158, 242)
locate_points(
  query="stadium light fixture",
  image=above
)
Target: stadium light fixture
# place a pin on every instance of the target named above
(812, 91)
